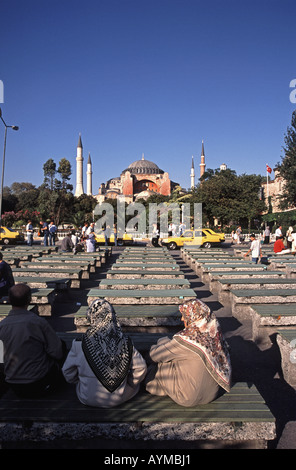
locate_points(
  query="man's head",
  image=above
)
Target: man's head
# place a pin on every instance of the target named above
(252, 236)
(19, 295)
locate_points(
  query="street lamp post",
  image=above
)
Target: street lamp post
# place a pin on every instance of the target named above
(15, 128)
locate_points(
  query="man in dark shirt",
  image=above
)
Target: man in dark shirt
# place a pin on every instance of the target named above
(33, 353)
(44, 231)
(6, 277)
(67, 244)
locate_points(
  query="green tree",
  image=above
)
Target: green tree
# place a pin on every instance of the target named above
(287, 169)
(55, 199)
(65, 171)
(249, 202)
(228, 197)
(49, 169)
(26, 194)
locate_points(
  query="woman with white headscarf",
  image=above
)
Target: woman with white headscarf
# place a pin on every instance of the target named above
(105, 366)
(192, 366)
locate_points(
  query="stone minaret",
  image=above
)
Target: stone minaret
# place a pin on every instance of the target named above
(89, 177)
(79, 169)
(202, 160)
(192, 175)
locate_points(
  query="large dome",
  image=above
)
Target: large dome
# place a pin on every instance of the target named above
(144, 167)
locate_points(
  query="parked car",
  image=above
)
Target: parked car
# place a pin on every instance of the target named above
(10, 236)
(205, 238)
(124, 240)
(221, 235)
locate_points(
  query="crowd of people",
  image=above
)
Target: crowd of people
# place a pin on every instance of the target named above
(105, 366)
(83, 241)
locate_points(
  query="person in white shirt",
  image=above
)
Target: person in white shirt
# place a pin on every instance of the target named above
(52, 233)
(30, 232)
(90, 229)
(255, 248)
(278, 233)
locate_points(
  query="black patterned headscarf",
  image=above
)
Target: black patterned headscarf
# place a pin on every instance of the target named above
(107, 350)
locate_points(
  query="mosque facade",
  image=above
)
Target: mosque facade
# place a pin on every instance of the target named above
(141, 179)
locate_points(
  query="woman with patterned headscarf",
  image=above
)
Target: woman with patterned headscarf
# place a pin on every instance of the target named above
(193, 365)
(105, 366)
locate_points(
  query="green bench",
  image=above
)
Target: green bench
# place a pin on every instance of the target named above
(138, 317)
(74, 259)
(12, 260)
(5, 309)
(240, 415)
(42, 299)
(243, 300)
(147, 249)
(146, 266)
(136, 261)
(56, 265)
(73, 274)
(269, 319)
(215, 276)
(210, 268)
(291, 270)
(44, 282)
(194, 262)
(286, 340)
(101, 256)
(149, 284)
(156, 296)
(141, 341)
(144, 274)
(225, 285)
(198, 264)
(186, 253)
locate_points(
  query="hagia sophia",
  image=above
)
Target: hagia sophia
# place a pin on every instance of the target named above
(141, 179)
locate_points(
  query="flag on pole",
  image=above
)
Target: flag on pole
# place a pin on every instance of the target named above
(268, 168)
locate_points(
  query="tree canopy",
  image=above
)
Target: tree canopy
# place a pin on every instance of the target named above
(287, 168)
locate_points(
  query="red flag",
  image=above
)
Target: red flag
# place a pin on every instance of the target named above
(268, 168)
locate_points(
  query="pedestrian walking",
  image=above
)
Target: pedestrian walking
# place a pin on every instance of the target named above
(30, 233)
(52, 233)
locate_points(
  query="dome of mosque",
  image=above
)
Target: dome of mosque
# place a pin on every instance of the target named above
(143, 166)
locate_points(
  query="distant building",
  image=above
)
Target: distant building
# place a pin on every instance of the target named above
(272, 190)
(140, 179)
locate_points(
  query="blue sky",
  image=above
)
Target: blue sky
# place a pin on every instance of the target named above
(146, 76)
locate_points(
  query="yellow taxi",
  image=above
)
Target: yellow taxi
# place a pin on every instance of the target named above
(205, 238)
(10, 236)
(122, 240)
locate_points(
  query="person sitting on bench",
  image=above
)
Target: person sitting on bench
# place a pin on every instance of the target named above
(279, 247)
(33, 353)
(192, 366)
(105, 366)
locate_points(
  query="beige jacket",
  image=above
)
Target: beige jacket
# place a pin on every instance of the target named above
(179, 373)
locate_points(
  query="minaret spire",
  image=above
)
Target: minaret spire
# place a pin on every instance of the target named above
(89, 176)
(192, 174)
(79, 169)
(202, 160)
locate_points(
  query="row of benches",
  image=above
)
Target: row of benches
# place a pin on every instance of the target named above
(153, 286)
(145, 287)
(49, 273)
